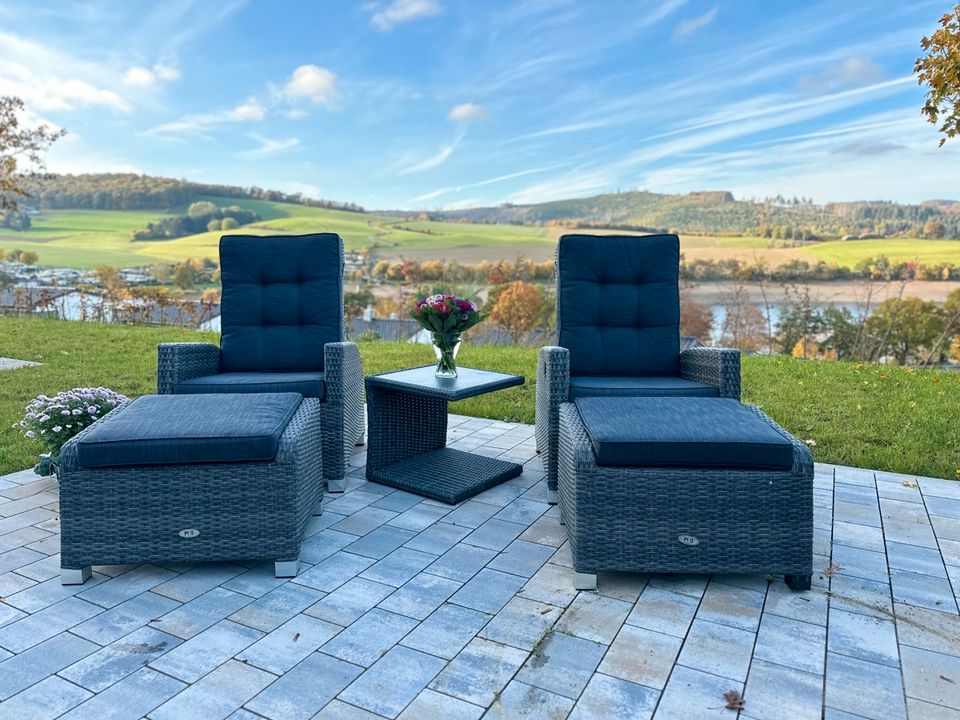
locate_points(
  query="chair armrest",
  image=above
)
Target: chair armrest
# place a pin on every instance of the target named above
(343, 373)
(553, 388)
(177, 362)
(719, 367)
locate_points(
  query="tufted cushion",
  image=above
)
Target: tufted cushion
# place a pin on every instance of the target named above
(282, 301)
(682, 432)
(175, 429)
(307, 384)
(660, 385)
(618, 307)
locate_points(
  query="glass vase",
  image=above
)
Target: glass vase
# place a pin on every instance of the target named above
(445, 347)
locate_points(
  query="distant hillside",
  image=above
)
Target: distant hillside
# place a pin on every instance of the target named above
(144, 192)
(718, 212)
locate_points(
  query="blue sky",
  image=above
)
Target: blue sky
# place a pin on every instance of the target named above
(452, 103)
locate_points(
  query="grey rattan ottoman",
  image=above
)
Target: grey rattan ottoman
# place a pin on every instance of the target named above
(683, 516)
(191, 478)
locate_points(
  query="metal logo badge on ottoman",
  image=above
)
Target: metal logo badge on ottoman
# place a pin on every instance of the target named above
(688, 540)
(189, 533)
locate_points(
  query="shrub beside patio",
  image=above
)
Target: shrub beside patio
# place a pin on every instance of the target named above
(880, 417)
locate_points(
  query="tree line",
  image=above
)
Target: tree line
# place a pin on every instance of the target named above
(126, 191)
(202, 216)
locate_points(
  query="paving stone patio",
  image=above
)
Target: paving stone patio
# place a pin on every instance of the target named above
(409, 608)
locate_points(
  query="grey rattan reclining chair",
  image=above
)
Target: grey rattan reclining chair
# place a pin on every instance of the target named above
(281, 331)
(618, 333)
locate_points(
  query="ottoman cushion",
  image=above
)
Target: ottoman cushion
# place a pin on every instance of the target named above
(177, 429)
(618, 386)
(682, 432)
(308, 384)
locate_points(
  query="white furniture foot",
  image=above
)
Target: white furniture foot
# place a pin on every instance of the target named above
(336, 486)
(286, 568)
(318, 508)
(72, 576)
(585, 581)
(553, 497)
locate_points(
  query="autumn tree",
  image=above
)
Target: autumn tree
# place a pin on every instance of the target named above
(934, 229)
(184, 276)
(519, 308)
(743, 325)
(21, 151)
(939, 71)
(696, 319)
(28, 257)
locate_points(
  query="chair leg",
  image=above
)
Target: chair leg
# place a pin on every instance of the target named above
(318, 508)
(74, 576)
(553, 497)
(584, 581)
(286, 568)
(336, 485)
(797, 582)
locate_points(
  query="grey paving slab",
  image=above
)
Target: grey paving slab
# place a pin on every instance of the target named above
(695, 694)
(562, 664)
(398, 567)
(931, 676)
(206, 651)
(334, 571)
(200, 613)
(123, 587)
(281, 649)
(520, 700)
(446, 631)
(124, 618)
(40, 661)
(461, 562)
(134, 696)
(641, 656)
(49, 698)
(594, 617)
(664, 611)
(791, 643)
(120, 658)
(420, 595)
(730, 605)
(863, 688)
(305, 688)
(718, 649)
(863, 636)
(774, 692)
(522, 557)
(393, 681)
(277, 606)
(29, 630)
(367, 639)
(431, 704)
(521, 623)
(479, 672)
(610, 697)
(350, 601)
(215, 695)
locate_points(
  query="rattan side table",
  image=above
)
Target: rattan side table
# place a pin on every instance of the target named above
(407, 429)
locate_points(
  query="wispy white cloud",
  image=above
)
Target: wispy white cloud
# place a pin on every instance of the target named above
(199, 124)
(140, 76)
(483, 183)
(48, 79)
(849, 72)
(268, 146)
(386, 16)
(466, 112)
(693, 25)
(435, 160)
(305, 189)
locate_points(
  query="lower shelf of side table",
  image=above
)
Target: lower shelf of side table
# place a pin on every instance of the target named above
(445, 474)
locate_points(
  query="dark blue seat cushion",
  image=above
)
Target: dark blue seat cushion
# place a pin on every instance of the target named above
(282, 301)
(682, 432)
(618, 304)
(613, 386)
(177, 429)
(308, 384)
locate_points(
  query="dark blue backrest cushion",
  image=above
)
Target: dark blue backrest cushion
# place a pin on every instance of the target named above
(282, 301)
(618, 304)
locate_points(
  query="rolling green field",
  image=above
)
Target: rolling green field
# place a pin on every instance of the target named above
(874, 416)
(86, 238)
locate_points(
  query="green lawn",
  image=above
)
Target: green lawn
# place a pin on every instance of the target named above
(868, 416)
(847, 253)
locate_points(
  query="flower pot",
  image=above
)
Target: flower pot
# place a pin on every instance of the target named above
(47, 465)
(446, 346)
